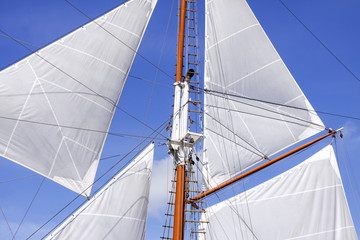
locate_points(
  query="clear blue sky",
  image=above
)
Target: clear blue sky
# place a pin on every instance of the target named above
(328, 86)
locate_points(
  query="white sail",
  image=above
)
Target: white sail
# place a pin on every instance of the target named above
(72, 84)
(241, 61)
(306, 202)
(119, 210)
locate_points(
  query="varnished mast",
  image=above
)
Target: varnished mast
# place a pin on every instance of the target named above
(178, 233)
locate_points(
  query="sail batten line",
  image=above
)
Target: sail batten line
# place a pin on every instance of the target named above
(82, 145)
(248, 129)
(253, 72)
(231, 35)
(58, 124)
(92, 56)
(112, 216)
(126, 30)
(21, 113)
(322, 232)
(77, 94)
(293, 194)
(56, 155)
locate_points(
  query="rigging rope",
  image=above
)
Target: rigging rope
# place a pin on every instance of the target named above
(157, 69)
(322, 44)
(82, 84)
(73, 200)
(209, 91)
(14, 179)
(136, 52)
(7, 222)
(32, 201)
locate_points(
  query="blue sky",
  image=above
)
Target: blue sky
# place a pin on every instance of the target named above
(327, 84)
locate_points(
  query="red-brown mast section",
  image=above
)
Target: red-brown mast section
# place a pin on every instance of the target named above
(178, 233)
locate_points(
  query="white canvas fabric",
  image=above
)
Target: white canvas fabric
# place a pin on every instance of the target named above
(241, 61)
(72, 83)
(306, 202)
(119, 210)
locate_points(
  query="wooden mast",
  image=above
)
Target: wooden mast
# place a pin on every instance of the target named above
(225, 184)
(178, 233)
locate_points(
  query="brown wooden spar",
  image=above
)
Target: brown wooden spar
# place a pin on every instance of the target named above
(225, 184)
(178, 233)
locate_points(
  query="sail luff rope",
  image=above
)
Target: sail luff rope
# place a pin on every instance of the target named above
(232, 130)
(322, 44)
(80, 194)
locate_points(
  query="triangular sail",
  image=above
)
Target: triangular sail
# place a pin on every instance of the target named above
(119, 210)
(306, 202)
(71, 85)
(241, 61)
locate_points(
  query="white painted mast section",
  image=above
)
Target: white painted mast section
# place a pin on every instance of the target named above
(184, 108)
(176, 116)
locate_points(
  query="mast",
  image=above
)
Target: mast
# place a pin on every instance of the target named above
(178, 233)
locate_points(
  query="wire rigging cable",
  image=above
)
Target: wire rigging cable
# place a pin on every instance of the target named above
(322, 44)
(136, 52)
(7, 222)
(100, 177)
(158, 65)
(82, 84)
(209, 91)
(27, 210)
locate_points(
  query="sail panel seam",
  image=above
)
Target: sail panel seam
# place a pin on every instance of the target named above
(124, 29)
(77, 94)
(253, 72)
(59, 126)
(322, 232)
(92, 56)
(57, 152)
(76, 142)
(111, 216)
(231, 35)
(22, 111)
(293, 194)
